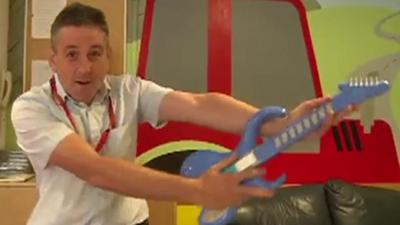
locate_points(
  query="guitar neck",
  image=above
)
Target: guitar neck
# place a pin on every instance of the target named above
(311, 121)
(294, 132)
(303, 127)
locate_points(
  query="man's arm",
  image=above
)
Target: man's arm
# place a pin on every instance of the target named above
(223, 112)
(213, 189)
(213, 110)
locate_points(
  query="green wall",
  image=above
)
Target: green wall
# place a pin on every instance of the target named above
(344, 40)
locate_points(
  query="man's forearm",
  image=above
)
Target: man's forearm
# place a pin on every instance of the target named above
(213, 110)
(133, 180)
(229, 114)
(75, 155)
(222, 112)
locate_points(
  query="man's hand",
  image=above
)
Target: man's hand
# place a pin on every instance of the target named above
(277, 126)
(219, 190)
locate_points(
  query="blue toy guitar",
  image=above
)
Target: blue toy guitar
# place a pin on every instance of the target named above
(251, 155)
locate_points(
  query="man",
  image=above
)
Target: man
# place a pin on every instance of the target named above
(79, 131)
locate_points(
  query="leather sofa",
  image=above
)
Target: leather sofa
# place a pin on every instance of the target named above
(333, 203)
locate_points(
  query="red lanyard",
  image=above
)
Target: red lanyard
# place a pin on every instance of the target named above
(60, 101)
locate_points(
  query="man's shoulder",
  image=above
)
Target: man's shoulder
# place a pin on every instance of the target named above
(42, 92)
(31, 102)
(125, 82)
(122, 79)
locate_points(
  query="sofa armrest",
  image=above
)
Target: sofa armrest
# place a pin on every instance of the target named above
(351, 204)
(297, 205)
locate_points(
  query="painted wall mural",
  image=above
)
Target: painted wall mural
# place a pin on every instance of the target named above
(240, 47)
(348, 39)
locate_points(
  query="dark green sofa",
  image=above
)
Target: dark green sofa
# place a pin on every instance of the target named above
(333, 203)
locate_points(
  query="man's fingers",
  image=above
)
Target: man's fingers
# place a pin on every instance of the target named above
(308, 106)
(250, 173)
(341, 115)
(311, 104)
(225, 162)
(251, 191)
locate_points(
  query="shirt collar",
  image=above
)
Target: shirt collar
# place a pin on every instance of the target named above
(100, 97)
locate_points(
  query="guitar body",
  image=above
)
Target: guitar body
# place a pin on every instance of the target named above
(199, 162)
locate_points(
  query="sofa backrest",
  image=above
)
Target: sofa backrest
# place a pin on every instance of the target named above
(334, 203)
(298, 205)
(351, 204)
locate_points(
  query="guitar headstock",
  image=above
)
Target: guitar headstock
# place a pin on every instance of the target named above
(360, 89)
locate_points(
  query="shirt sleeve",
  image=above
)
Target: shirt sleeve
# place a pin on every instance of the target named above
(38, 131)
(150, 97)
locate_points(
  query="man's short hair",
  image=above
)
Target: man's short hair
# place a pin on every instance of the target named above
(78, 14)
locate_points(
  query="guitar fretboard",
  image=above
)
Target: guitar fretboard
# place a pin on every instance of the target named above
(302, 128)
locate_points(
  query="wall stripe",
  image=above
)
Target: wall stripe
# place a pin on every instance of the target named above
(145, 43)
(338, 142)
(356, 136)
(346, 136)
(220, 46)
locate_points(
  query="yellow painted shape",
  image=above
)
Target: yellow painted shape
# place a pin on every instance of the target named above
(188, 214)
(178, 146)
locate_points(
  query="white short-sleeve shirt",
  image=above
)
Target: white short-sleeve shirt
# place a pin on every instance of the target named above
(40, 124)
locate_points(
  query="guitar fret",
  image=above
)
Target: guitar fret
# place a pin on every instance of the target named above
(278, 142)
(314, 118)
(285, 137)
(307, 123)
(329, 107)
(321, 113)
(292, 132)
(299, 128)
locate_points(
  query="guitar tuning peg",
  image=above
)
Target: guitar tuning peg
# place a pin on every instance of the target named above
(360, 82)
(372, 81)
(366, 81)
(351, 83)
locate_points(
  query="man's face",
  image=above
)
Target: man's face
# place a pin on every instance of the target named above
(80, 57)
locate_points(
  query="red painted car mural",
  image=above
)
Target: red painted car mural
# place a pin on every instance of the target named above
(346, 151)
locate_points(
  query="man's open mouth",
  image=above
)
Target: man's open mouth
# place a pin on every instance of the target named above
(83, 82)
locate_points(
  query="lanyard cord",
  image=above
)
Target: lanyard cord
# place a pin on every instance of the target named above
(111, 114)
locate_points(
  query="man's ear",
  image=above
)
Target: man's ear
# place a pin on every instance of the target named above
(51, 60)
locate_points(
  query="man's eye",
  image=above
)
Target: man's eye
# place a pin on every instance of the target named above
(96, 54)
(72, 55)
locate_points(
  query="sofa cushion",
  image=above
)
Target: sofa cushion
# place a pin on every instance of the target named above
(351, 204)
(301, 205)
